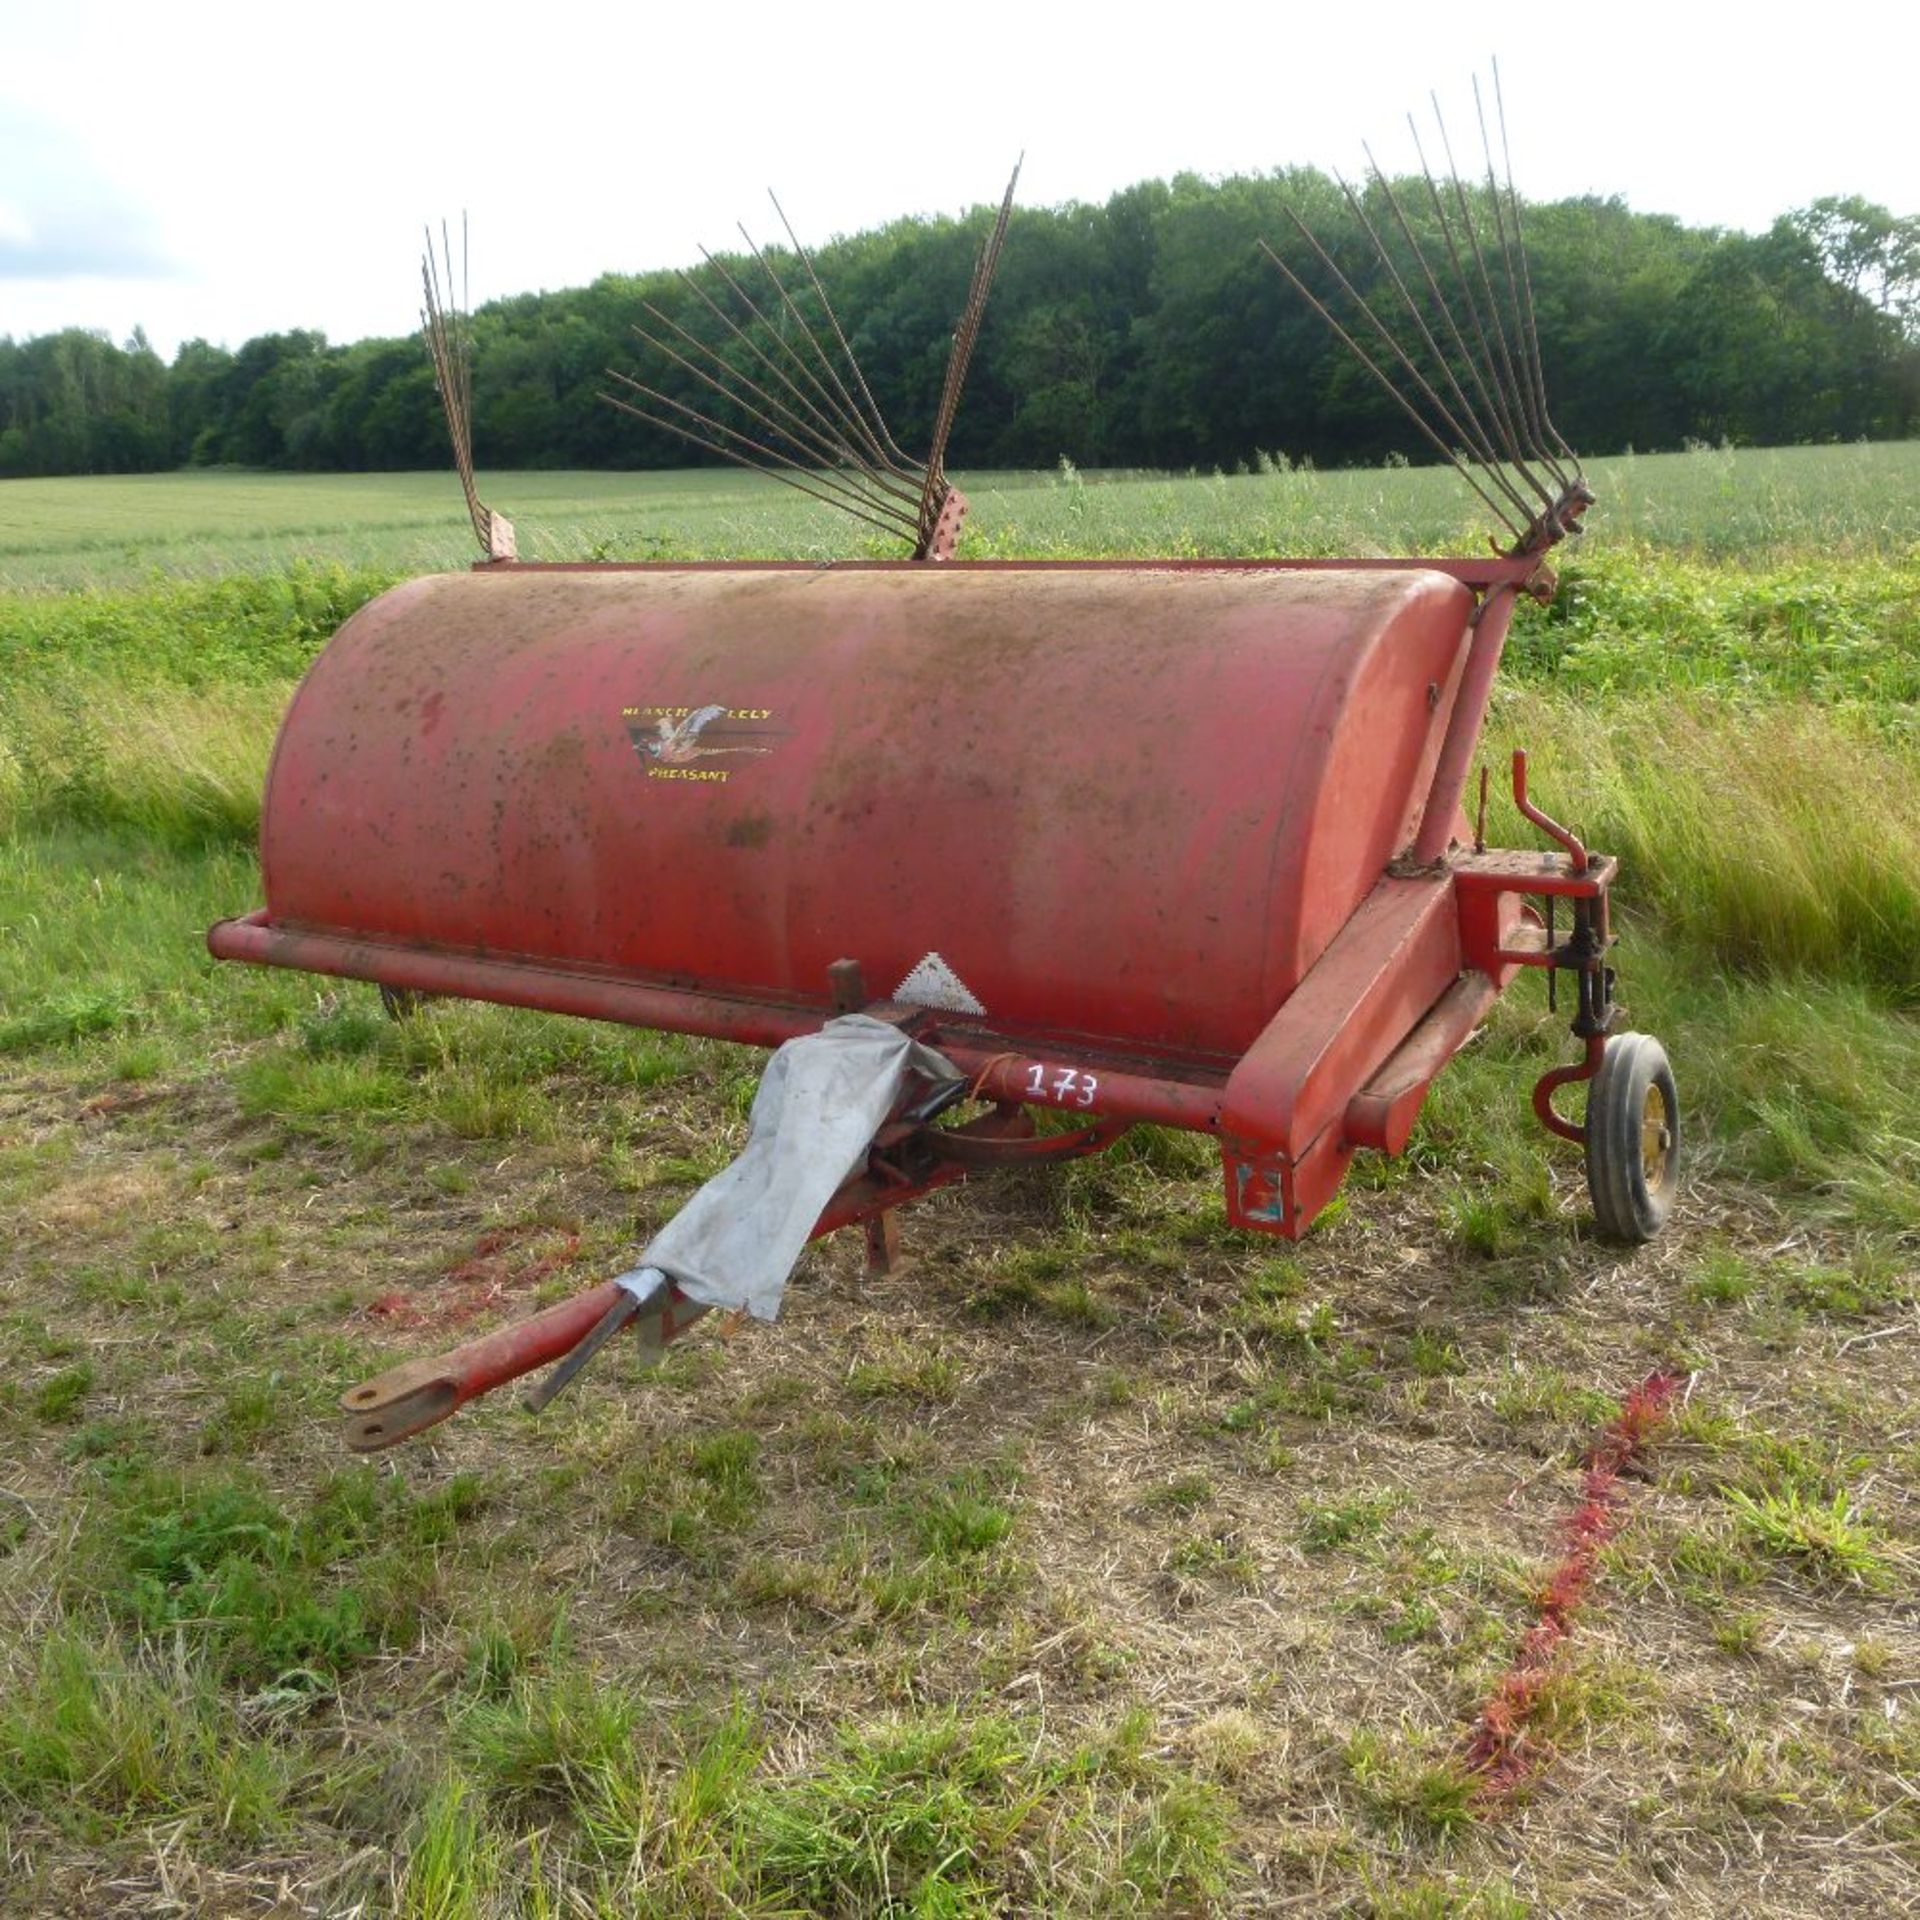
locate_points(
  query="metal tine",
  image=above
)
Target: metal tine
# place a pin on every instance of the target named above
(1386, 334)
(1506, 434)
(883, 451)
(831, 427)
(775, 472)
(965, 336)
(1486, 371)
(782, 422)
(449, 348)
(842, 493)
(1499, 363)
(463, 329)
(1526, 280)
(462, 354)
(960, 352)
(1413, 413)
(833, 320)
(1526, 326)
(841, 407)
(1472, 432)
(440, 348)
(452, 332)
(1512, 321)
(820, 417)
(754, 466)
(843, 462)
(1489, 455)
(843, 485)
(1493, 306)
(1521, 309)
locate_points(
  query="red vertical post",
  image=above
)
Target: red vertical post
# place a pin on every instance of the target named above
(1463, 725)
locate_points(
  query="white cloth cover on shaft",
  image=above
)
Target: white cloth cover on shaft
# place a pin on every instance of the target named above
(820, 1102)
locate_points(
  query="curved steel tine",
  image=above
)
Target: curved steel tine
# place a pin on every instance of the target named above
(1467, 370)
(884, 452)
(1469, 429)
(789, 428)
(1487, 373)
(959, 358)
(826, 424)
(1412, 412)
(1520, 309)
(1510, 390)
(832, 490)
(449, 346)
(1488, 453)
(833, 320)
(1526, 278)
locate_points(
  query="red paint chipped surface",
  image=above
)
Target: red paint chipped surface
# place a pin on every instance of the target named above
(481, 1279)
(1500, 1750)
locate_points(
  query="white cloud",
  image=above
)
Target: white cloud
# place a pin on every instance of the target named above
(283, 159)
(63, 218)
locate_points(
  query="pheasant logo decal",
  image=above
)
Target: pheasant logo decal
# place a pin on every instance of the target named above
(676, 742)
(672, 739)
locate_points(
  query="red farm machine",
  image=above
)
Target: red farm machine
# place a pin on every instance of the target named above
(1175, 843)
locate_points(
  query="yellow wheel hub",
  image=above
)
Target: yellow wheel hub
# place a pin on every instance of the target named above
(1656, 1140)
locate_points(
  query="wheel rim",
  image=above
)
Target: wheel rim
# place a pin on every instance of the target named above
(1656, 1140)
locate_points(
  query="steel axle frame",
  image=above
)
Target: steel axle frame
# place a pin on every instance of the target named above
(1461, 925)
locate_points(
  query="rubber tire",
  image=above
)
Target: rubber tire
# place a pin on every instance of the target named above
(1627, 1206)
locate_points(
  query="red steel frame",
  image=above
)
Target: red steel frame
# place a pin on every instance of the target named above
(1345, 1062)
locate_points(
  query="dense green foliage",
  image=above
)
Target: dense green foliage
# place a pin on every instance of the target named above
(1145, 332)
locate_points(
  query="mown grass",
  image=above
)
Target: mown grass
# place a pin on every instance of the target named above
(1109, 1561)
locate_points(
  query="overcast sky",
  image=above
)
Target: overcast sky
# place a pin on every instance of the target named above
(228, 170)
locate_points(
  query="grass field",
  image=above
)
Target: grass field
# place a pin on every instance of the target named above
(1103, 1560)
(1793, 502)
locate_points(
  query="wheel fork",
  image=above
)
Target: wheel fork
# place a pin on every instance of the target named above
(1584, 953)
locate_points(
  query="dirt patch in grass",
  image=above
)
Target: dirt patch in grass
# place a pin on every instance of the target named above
(1227, 1540)
(503, 1265)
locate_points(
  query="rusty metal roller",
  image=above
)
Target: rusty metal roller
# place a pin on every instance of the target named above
(1128, 806)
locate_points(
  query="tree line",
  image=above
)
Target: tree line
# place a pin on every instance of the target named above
(1144, 332)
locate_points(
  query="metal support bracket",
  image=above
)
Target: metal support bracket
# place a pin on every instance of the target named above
(1582, 878)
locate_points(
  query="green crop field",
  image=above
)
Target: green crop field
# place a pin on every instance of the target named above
(1102, 1560)
(127, 530)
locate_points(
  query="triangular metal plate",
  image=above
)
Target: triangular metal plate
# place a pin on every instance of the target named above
(933, 983)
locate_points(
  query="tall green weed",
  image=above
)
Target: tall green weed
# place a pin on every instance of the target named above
(1628, 621)
(1776, 835)
(177, 765)
(197, 633)
(1745, 738)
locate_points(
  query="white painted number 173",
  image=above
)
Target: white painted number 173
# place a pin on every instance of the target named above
(1064, 1086)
